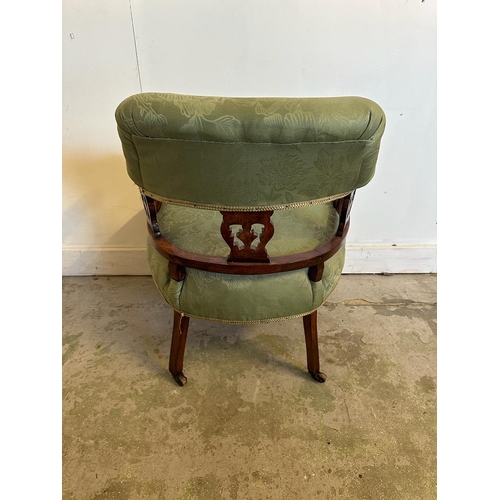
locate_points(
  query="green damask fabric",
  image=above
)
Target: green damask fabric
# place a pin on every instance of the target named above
(231, 298)
(222, 152)
(248, 154)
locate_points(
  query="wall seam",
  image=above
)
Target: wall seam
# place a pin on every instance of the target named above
(135, 45)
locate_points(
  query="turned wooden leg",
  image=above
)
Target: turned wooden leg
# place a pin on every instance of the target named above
(178, 346)
(311, 333)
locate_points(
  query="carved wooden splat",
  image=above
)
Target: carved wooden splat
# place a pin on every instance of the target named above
(253, 225)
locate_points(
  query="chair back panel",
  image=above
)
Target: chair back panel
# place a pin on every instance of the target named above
(249, 153)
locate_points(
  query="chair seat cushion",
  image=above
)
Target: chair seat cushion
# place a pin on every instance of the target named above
(246, 299)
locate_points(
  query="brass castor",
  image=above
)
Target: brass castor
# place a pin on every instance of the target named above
(319, 376)
(181, 379)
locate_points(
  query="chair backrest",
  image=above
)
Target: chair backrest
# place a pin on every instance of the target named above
(249, 154)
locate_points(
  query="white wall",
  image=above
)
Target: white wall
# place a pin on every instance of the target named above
(384, 50)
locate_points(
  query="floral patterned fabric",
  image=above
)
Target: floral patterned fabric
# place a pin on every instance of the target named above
(289, 155)
(249, 152)
(242, 299)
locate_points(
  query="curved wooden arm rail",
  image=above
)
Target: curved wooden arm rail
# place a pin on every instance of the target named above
(313, 259)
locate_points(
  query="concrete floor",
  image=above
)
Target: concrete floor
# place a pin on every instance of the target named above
(251, 423)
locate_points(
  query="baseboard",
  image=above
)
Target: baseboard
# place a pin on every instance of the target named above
(360, 259)
(366, 259)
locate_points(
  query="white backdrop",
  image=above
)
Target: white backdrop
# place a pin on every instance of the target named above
(384, 50)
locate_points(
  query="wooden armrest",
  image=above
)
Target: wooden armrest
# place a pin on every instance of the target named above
(247, 260)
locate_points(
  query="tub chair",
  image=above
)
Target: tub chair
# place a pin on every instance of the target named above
(247, 202)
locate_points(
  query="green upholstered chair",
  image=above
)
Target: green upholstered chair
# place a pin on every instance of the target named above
(248, 202)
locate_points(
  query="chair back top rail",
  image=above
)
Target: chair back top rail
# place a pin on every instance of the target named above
(249, 154)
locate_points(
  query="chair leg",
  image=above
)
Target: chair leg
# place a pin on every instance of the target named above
(311, 333)
(178, 346)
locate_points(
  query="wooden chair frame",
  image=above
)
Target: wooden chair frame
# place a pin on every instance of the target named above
(246, 258)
